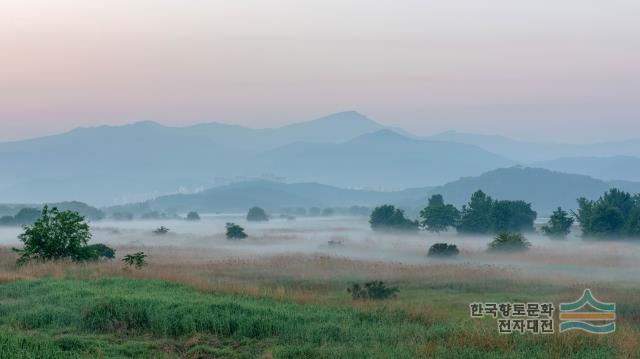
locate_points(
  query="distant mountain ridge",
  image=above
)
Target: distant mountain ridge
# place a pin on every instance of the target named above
(530, 151)
(143, 160)
(544, 189)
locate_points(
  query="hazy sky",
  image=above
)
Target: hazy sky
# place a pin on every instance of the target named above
(561, 70)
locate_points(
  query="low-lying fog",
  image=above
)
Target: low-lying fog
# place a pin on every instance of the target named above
(204, 240)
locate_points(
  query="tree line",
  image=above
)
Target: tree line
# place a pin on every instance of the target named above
(615, 214)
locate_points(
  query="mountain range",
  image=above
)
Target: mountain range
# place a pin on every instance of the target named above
(109, 165)
(118, 164)
(544, 189)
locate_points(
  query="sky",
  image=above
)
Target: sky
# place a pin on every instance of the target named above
(563, 70)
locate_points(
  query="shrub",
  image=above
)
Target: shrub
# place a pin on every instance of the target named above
(137, 260)
(56, 235)
(257, 214)
(509, 242)
(375, 290)
(161, 230)
(234, 231)
(193, 216)
(103, 251)
(443, 250)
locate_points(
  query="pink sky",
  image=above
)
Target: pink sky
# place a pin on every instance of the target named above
(566, 70)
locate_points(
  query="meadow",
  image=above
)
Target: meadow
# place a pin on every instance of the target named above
(282, 293)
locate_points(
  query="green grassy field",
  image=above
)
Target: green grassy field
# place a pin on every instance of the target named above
(122, 317)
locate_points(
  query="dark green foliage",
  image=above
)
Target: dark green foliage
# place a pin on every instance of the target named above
(443, 250)
(234, 231)
(559, 225)
(137, 260)
(476, 215)
(512, 216)
(509, 242)
(257, 214)
(193, 216)
(484, 215)
(615, 214)
(438, 216)
(56, 235)
(162, 230)
(390, 218)
(375, 290)
(103, 251)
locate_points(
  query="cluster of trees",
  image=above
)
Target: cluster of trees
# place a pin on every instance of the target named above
(615, 214)
(482, 215)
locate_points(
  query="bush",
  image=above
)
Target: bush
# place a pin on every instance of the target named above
(161, 230)
(389, 218)
(103, 251)
(137, 260)
(193, 216)
(509, 242)
(234, 231)
(257, 214)
(56, 235)
(376, 290)
(443, 250)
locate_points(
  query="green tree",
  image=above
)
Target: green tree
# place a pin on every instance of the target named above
(234, 231)
(512, 216)
(56, 235)
(257, 214)
(438, 216)
(193, 216)
(614, 214)
(476, 215)
(559, 225)
(387, 217)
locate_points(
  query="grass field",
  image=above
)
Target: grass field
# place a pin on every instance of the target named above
(199, 303)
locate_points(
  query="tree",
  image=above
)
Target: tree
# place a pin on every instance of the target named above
(512, 216)
(328, 212)
(388, 217)
(193, 216)
(438, 216)
(234, 231)
(443, 250)
(559, 225)
(476, 215)
(56, 235)
(257, 214)
(509, 242)
(614, 214)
